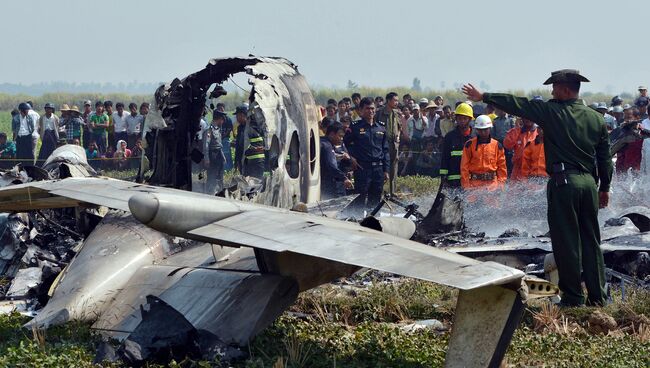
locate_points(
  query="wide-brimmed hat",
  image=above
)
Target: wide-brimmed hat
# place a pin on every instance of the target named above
(431, 105)
(565, 75)
(74, 108)
(65, 107)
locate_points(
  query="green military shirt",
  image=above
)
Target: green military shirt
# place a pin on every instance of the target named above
(574, 134)
(391, 121)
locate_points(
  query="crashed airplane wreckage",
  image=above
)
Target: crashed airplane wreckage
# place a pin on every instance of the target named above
(239, 265)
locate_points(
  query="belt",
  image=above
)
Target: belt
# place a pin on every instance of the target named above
(483, 177)
(371, 163)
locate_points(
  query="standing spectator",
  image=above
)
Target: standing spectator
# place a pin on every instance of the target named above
(629, 158)
(389, 118)
(133, 123)
(438, 100)
(406, 99)
(99, 124)
(87, 130)
(110, 130)
(609, 119)
(368, 146)
(643, 99)
(226, 134)
(447, 122)
(329, 119)
(431, 113)
(404, 131)
(22, 126)
(342, 111)
(415, 126)
(73, 124)
(36, 117)
(119, 124)
(48, 125)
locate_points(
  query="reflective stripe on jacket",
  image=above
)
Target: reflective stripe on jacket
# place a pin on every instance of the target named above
(483, 158)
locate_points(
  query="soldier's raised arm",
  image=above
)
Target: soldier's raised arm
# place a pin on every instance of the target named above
(535, 110)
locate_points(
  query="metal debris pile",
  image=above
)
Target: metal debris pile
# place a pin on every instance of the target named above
(34, 248)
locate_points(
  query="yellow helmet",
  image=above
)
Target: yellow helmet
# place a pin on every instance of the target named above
(464, 109)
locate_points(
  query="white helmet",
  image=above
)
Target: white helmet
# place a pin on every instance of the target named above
(483, 122)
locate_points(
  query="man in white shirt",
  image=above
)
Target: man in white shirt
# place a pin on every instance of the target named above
(23, 126)
(133, 124)
(119, 123)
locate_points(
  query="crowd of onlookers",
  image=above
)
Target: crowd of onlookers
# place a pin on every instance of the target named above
(110, 135)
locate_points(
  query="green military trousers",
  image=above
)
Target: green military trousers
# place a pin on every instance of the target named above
(575, 234)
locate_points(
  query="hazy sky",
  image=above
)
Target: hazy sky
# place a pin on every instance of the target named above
(508, 44)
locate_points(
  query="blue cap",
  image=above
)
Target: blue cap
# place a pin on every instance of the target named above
(24, 106)
(241, 108)
(538, 98)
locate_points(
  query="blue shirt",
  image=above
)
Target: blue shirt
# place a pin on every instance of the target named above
(368, 144)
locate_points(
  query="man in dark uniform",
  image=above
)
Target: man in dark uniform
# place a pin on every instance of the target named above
(390, 119)
(213, 157)
(240, 116)
(333, 182)
(368, 146)
(576, 145)
(452, 146)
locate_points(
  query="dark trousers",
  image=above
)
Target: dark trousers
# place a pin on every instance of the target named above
(48, 144)
(393, 152)
(225, 142)
(122, 136)
(87, 137)
(369, 183)
(100, 139)
(215, 173)
(330, 188)
(25, 149)
(575, 234)
(254, 168)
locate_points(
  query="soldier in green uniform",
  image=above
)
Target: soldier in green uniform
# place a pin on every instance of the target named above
(577, 157)
(390, 119)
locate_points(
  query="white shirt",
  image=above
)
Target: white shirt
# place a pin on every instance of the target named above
(49, 123)
(133, 123)
(35, 116)
(119, 122)
(24, 126)
(413, 124)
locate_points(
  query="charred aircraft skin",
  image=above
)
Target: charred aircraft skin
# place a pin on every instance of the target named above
(236, 254)
(280, 102)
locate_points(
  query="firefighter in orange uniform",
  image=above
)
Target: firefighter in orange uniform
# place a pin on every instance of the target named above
(483, 164)
(516, 140)
(533, 163)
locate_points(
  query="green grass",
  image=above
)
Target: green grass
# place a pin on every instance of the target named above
(357, 328)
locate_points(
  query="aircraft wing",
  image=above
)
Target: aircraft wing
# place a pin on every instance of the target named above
(233, 223)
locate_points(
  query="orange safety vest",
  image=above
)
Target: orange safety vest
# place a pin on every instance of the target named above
(483, 165)
(533, 163)
(517, 140)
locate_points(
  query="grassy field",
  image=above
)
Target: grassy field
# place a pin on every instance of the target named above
(361, 329)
